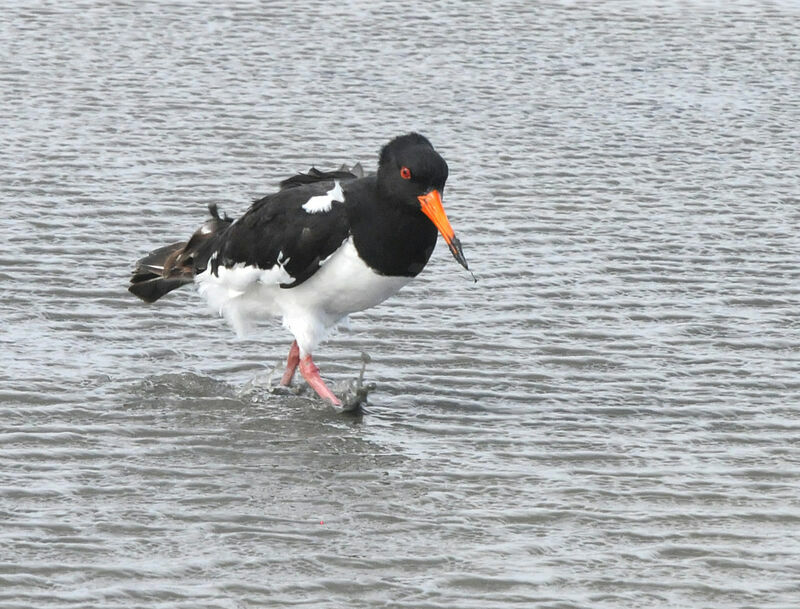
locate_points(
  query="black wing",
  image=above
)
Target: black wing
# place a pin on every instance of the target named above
(343, 174)
(278, 230)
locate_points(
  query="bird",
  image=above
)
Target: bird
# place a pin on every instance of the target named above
(325, 245)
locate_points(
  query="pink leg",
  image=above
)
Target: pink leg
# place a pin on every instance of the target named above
(310, 372)
(291, 364)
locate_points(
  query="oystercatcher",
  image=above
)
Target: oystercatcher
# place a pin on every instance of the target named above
(325, 245)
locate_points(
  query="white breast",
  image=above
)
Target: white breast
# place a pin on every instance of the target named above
(344, 284)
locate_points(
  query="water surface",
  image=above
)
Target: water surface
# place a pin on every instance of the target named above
(608, 418)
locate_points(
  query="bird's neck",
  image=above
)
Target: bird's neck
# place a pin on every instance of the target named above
(391, 238)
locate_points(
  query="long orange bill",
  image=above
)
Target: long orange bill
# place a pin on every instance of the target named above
(431, 205)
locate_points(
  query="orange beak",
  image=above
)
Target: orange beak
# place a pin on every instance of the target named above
(431, 205)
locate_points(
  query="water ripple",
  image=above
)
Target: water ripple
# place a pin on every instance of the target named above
(606, 419)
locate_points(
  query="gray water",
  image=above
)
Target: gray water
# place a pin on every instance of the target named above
(608, 418)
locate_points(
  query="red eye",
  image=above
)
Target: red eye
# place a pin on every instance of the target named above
(405, 173)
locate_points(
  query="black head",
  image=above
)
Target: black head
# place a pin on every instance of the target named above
(410, 167)
(411, 172)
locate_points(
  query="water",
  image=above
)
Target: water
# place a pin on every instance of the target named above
(608, 418)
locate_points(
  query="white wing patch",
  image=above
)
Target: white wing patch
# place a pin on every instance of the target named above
(323, 203)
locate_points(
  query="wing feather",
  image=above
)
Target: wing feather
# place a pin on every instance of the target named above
(277, 231)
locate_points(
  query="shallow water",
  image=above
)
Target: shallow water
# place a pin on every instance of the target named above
(608, 418)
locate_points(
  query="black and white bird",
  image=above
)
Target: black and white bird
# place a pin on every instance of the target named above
(326, 245)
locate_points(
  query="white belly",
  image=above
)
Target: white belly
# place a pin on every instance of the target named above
(344, 284)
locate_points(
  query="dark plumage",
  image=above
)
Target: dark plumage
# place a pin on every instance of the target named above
(325, 245)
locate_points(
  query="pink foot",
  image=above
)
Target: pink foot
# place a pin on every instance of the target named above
(310, 372)
(291, 364)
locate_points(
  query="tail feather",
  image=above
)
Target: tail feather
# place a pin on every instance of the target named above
(172, 266)
(155, 274)
(152, 289)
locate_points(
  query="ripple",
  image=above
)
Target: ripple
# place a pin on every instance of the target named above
(605, 419)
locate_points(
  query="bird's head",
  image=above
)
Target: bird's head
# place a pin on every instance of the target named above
(412, 173)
